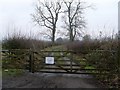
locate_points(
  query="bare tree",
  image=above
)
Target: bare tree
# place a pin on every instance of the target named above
(75, 20)
(47, 15)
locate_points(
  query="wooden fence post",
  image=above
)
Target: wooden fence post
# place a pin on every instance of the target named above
(31, 61)
(71, 61)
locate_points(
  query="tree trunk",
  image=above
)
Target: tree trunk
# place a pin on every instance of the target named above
(71, 35)
(53, 34)
(53, 37)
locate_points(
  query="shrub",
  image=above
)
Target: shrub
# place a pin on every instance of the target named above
(21, 42)
(83, 46)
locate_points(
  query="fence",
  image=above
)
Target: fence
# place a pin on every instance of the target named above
(102, 64)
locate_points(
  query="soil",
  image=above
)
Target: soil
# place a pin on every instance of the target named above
(50, 80)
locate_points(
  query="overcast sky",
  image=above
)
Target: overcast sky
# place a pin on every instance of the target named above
(104, 16)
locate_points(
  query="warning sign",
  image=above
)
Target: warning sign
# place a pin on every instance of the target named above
(49, 60)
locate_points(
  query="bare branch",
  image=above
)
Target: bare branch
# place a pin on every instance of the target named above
(76, 11)
(75, 20)
(47, 15)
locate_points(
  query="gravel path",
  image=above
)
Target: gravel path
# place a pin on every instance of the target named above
(45, 80)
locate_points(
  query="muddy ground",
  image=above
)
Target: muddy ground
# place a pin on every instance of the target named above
(50, 80)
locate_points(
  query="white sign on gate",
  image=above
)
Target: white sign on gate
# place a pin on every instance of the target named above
(49, 60)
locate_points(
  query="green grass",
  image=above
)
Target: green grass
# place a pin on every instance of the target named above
(12, 72)
(91, 69)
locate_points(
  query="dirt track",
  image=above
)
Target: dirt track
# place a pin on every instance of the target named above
(42, 80)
